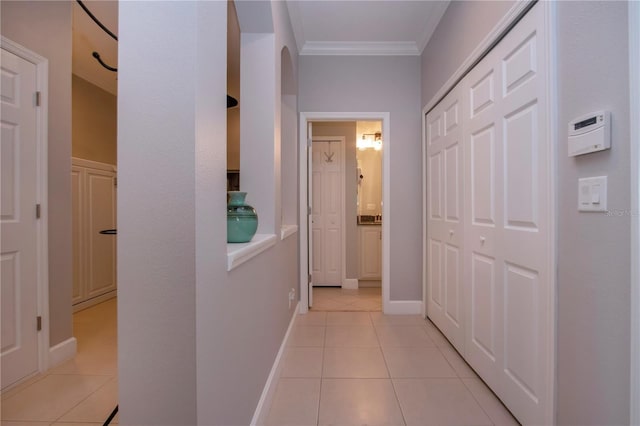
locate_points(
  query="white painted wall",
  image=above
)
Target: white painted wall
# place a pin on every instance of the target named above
(380, 84)
(462, 27)
(196, 342)
(45, 28)
(593, 249)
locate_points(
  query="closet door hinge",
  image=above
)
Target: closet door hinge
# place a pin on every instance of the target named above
(38, 211)
(309, 142)
(38, 323)
(38, 96)
(309, 278)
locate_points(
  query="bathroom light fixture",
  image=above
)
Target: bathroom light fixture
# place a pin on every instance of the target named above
(370, 140)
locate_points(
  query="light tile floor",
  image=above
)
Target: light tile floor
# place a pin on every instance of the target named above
(339, 299)
(366, 368)
(344, 368)
(79, 392)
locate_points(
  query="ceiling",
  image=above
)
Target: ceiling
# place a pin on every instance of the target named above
(321, 27)
(88, 37)
(364, 27)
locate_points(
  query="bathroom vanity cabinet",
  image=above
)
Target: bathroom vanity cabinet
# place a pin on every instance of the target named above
(370, 252)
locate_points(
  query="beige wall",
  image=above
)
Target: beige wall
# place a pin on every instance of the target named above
(348, 130)
(381, 84)
(233, 87)
(95, 122)
(189, 352)
(45, 28)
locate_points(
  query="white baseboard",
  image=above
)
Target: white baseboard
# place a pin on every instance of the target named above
(262, 409)
(94, 301)
(62, 352)
(404, 307)
(350, 283)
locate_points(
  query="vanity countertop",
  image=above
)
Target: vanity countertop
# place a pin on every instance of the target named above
(368, 220)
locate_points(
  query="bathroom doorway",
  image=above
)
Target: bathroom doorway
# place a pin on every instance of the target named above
(361, 283)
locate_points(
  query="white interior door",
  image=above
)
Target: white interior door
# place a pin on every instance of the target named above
(18, 218)
(508, 192)
(445, 234)
(326, 217)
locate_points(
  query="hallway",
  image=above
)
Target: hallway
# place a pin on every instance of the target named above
(356, 368)
(79, 392)
(347, 368)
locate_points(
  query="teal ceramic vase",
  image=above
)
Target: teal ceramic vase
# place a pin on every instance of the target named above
(242, 219)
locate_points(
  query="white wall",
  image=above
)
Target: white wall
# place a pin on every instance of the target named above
(462, 27)
(196, 342)
(593, 249)
(381, 84)
(45, 28)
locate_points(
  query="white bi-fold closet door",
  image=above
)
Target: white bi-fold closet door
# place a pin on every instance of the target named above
(444, 217)
(504, 228)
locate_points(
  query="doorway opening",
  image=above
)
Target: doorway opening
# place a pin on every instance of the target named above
(338, 249)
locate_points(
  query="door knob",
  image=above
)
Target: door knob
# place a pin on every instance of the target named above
(482, 240)
(451, 232)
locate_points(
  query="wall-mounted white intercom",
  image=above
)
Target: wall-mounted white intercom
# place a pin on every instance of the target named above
(590, 133)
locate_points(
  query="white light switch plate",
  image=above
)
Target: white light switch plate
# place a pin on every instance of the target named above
(592, 194)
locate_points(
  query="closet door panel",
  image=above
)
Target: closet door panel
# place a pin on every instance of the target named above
(101, 249)
(444, 161)
(526, 228)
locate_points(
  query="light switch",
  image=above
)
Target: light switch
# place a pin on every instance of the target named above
(592, 194)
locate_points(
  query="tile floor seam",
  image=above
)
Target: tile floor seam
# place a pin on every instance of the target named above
(58, 420)
(395, 392)
(384, 358)
(478, 402)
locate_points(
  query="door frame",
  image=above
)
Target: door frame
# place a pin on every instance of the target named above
(343, 235)
(634, 110)
(42, 262)
(306, 117)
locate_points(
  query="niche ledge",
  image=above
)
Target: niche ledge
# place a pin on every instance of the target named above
(287, 231)
(238, 253)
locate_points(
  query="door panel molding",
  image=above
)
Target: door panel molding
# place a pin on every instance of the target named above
(42, 248)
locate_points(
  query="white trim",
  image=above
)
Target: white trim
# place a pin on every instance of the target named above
(42, 135)
(552, 213)
(95, 301)
(350, 283)
(238, 253)
(287, 231)
(634, 110)
(386, 196)
(81, 162)
(62, 352)
(343, 211)
(363, 48)
(404, 307)
(502, 25)
(264, 403)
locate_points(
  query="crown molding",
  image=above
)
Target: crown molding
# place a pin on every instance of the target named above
(338, 48)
